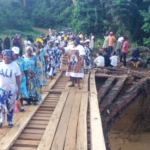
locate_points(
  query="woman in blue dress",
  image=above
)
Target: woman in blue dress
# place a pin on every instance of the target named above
(34, 66)
(42, 55)
(23, 81)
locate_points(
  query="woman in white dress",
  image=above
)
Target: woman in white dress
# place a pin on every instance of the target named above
(75, 68)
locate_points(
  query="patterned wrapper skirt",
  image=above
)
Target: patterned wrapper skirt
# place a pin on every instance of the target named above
(75, 66)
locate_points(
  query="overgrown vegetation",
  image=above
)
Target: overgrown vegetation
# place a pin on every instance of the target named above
(129, 17)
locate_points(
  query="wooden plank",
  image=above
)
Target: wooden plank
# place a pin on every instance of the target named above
(85, 82)
(82, 125)
(41, 118)
(35, 126)
(31, 131)
(110, 97)
(82, 122)
(59, 139)
(70, 140)
(97, 137)
(108, 76)
(46, 143)
(5, 129)
(38, 122)
(48, 105)
(22, 148)
(46, 109)
(44, 112)
(50, 131)
(7, 141)
(92, 84)
(105, 88)
(24, 136)
(26, 143)
(43, 115)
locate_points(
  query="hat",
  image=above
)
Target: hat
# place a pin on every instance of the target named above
(81, 42)
(16, 50)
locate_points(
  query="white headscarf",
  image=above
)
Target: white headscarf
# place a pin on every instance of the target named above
(29, 47)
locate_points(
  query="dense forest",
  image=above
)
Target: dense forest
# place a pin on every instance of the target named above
(128, 17)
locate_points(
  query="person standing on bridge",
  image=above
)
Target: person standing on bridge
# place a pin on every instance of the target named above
(111, 41)
(75, 68)
(87, 62)
(24, 80)
(125, 48)
(7, 43)
(41, 54)
(33, 66)
(76, 55)
(9, 82)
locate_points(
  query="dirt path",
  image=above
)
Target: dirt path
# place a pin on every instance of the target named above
(44, 31)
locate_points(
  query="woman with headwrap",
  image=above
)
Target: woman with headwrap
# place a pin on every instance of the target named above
(42, 56)
(9, 82)
(33, 66)
(24, 82)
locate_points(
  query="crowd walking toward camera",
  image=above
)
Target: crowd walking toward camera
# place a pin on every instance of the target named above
(27, 66)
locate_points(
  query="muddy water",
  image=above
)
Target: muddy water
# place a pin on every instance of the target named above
(117, 143)
(126, 133)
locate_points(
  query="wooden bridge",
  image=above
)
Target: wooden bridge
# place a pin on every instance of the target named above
(66, 119)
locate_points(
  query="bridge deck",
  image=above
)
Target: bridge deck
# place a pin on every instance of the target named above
(67, 118)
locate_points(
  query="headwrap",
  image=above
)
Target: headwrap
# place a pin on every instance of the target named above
(29, 47)
(77, 40)
(40, 40)
(8, 52)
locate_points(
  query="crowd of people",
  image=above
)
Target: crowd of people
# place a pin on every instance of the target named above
(27, 66)
(109, 55)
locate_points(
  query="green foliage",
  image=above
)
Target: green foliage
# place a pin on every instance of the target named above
(13, 16)
(146, 26)
(131, 18)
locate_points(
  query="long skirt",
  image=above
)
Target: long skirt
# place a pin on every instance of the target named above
(75, 65)
(34, 89)
(7, 105)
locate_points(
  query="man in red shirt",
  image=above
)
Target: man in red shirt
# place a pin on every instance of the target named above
(125, 48)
